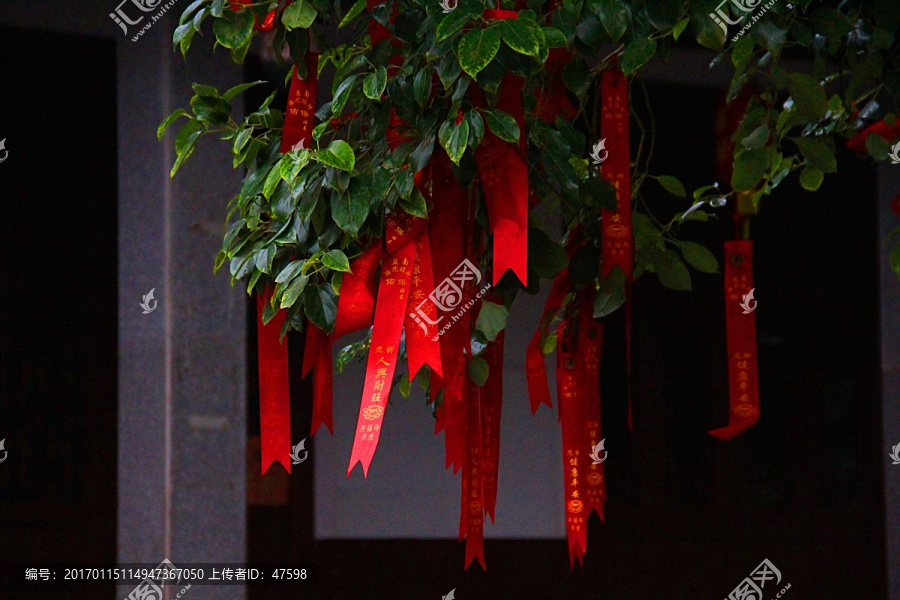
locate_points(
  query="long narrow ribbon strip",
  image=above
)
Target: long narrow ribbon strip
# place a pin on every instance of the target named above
(574, 441)
(590, 342)
(393, 290)
(743, 373)
(274, 388)
(299, 115)
(617, 247)
(535, 369)
(422, 343)
(491, 394)
(472, 500)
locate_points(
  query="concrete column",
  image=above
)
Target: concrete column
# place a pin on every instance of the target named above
(182, 413)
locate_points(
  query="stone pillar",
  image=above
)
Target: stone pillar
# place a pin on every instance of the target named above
(182, 413)
(888, 187)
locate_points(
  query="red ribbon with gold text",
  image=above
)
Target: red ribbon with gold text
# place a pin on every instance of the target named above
(570, 396)
(590, 342)
(617, 248)
(743, 381)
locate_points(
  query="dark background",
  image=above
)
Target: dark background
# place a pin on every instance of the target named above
(688, 516)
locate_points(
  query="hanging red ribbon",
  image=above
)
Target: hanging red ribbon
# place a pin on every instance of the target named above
(618, 240)
(491, 395)
(535, 369)
(590, 342)
(422, 344)
(472, 500)
(570, 396)
(299, 115)
(274, 388)
(743, 374)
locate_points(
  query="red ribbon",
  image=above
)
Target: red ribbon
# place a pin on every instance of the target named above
(422, 345)
(393, 290)
(570, 396)
(535, 369)
(472, 499)
(617, 247)
(743, 374)
(491, 394)
(274, 388)
(299, 115)
(590, 342)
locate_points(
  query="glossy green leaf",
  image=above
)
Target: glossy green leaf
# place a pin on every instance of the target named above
(699, 257)
(477, 48)
(637, 53)
(336, 260)
(811, 178)
(338, 154)
(454, 138)
(809, 96)
(374, 84)
(300, 14)
(523, 36)
(503, 125)
(234, 29)
(478, 370)
(615, 17)
(672, 185)
(611, 293)
(491, 319)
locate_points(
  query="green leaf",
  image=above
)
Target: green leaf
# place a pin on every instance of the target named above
(289, 272)
(339, 155)
(299, 15)
(342, 94)
(757, 138)
(680, 27)
(349, 212)
(673, 273)
(894, 258)
(817, 153)
(491, 320)
(374, 84)
(354, 12)
(161, 130)
(272, 180)
(415, 204)
(454, 139)
(555, 38)
(503, 125)
(477, 48)
(522, 36)
(545, 257)
(699, 257)
(240, 89)
(184, 143)
(809, 96)
(319, 306)
(422, 85)
(877, 146)
(742, 52)
(293, 291)
(234, 29)
(336, 260)
(478, 370)
(611, 293)
(452, 23)
(211, 109)
(750, 167)
(830, 22)
(672, 185)
(811, 178)
(615, 16)
(637, 53)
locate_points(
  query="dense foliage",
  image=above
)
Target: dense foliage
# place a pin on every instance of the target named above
(299, 218)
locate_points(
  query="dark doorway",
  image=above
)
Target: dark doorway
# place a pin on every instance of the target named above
(58, 303)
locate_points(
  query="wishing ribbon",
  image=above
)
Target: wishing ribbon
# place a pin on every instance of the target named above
(472, 499)
(617, 249)
(491, 394)
(590, 342)
(570, 395)
(274, 388)
(299, 115)
(740, 327)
